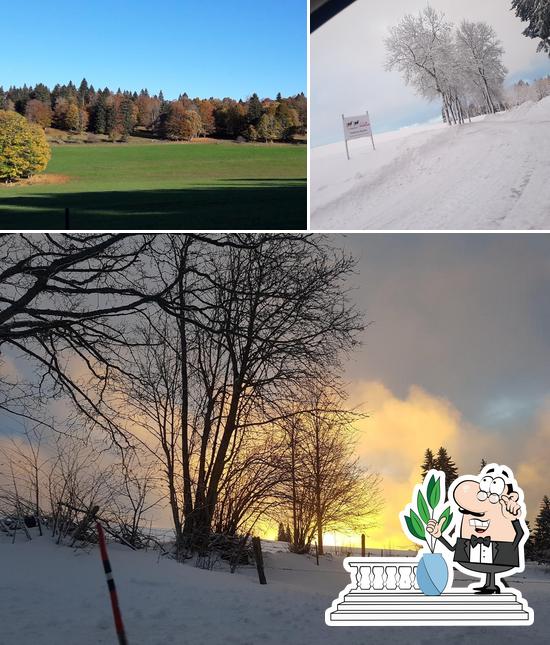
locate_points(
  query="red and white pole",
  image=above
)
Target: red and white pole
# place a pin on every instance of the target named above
(119, 625)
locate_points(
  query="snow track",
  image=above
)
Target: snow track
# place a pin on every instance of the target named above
(493, 173)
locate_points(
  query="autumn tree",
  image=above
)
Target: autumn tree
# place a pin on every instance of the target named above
(148, 110)
(178, 123)
(39, 112)
(269, 128)
(208, 122)
(24, 150)
(288, 119)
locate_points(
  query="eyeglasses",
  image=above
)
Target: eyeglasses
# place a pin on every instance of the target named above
(493, 497)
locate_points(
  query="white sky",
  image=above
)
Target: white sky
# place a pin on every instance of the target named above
(347, 63)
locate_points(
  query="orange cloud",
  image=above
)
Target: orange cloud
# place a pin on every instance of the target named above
(394, 439)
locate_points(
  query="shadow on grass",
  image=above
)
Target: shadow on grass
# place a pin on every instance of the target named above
(258, 205)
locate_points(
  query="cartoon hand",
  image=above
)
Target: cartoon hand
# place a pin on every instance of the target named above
(434, 528)
(511, 510)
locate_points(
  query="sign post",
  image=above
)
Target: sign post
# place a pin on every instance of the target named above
(357, 127)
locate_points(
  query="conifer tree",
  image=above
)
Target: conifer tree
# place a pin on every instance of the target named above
(110, 119)
(127, 117)
(41, 93)
(281, 535)
(444, 463)
(529, 548)
(83, 92)
(541, 538)
(255, 110)
(537, 14)
(98, 121)
(428, 464)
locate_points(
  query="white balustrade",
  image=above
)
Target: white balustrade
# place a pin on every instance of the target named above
(377, 575)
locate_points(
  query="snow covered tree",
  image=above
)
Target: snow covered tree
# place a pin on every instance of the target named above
(479, 52)
(421, 48)
(463, 68)
(537, 14)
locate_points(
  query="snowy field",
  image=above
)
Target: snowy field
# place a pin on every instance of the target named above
(51, 595)
(492, 173)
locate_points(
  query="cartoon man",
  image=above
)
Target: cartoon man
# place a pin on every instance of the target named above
(492, 528)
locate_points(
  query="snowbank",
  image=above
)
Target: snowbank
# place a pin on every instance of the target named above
(51, 595)
(488, 174)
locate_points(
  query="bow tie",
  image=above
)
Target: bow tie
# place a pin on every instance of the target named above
(474, 540)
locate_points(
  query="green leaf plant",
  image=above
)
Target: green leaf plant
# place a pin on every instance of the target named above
(428, 499)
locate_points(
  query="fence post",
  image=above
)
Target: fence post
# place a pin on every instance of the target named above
(119, 626)
(362, 545)
(257, 546)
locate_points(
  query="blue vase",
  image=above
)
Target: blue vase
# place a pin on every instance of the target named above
(432, 574)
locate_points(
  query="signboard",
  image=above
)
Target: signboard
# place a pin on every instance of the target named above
(357, 127)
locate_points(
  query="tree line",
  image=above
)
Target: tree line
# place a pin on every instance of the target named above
(123, 113)
(204, 369)
(523, 91)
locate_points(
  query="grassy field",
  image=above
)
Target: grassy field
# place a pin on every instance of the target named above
(164, 186)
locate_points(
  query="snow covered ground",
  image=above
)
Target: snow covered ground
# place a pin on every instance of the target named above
(492, 173)
(51, 595)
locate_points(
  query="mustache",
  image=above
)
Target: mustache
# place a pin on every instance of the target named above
(465, 511)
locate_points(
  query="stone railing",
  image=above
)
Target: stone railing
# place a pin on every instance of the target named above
(378, 575)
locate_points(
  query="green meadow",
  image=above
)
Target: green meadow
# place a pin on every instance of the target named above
(163, 186)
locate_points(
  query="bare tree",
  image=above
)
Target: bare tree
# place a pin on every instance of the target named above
(246, 323)
(327, 488)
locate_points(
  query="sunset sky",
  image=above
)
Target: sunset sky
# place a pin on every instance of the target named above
(457, 355)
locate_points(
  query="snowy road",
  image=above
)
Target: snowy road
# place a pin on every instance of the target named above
(491, 174)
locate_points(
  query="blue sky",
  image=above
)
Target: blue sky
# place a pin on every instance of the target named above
(206, 48)
(348, 56)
